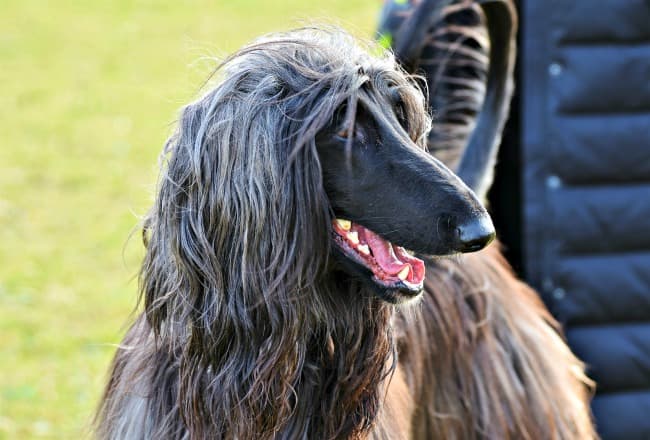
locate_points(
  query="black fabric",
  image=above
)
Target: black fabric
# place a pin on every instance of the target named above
(571, 199)
(623, 415)
(585, 166)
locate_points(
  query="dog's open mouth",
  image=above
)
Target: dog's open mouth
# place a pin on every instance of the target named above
(392, 266)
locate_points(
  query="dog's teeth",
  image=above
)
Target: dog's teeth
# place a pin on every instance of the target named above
(344, 224)
(364, 249)
(353, 236)
(404, 273)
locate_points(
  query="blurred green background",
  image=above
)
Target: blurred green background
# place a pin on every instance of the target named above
(88, 93)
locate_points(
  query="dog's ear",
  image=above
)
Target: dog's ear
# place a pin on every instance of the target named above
(472, 159)
(238, 220)
(235, 242)
(179, 260)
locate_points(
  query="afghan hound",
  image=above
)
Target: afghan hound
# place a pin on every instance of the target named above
(280, 300)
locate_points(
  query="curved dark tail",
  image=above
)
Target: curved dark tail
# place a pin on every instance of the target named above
(410, 39)
(479, 157)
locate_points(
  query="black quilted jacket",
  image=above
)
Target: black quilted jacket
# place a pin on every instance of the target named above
(572, 191)
(585, 151)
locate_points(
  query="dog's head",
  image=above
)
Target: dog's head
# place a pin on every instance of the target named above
(308, 146)
(387, 193)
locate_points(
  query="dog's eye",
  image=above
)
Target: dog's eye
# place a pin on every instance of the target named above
(357, 134)
(355, 129)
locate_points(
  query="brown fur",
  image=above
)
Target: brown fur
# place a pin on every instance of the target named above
(484, 359)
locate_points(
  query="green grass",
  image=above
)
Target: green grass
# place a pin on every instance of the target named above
(88, 92)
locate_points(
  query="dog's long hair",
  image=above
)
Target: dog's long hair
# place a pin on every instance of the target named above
(244, 334)
(485, 359)
(250, 331)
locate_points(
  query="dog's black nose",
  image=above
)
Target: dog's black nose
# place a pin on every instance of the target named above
(475, 234)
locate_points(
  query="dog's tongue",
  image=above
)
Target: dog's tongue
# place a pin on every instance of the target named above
(383, 253)
(388, 262)
(393, 259)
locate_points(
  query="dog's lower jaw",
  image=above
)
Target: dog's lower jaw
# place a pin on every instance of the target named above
(397, 296)
(391, 295)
